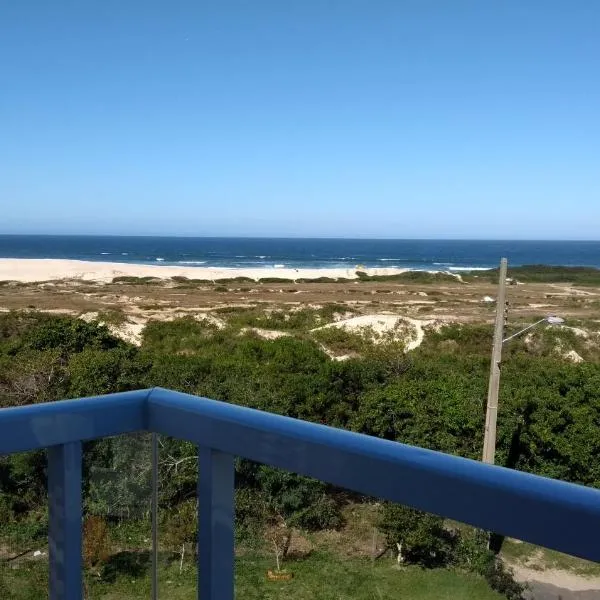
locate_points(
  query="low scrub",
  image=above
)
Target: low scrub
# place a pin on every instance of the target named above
(136, 280)
(542, 274)
(409, 277)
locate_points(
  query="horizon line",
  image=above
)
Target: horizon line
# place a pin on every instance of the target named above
(326, 238)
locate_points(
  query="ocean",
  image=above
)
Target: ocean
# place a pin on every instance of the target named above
(428, 255)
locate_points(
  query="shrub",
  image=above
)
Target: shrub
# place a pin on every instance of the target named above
(420, 536)
(95, 549)
(136, 280)
(273, 280)
(472, 554)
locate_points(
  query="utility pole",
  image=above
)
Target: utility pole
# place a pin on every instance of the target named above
(489, 439)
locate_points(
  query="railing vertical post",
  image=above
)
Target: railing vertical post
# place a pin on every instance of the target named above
(64, 521)
(154, 516)
(215, 525)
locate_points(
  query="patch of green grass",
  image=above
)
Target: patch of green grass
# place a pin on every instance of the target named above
(319, 576)
(325, 577)
(27, 582)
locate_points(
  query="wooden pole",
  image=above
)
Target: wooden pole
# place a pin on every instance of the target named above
(489, 439)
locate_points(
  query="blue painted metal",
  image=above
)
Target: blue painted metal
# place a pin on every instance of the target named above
(215, 525)
(543, 511)
(64, 521)
(43, 425)
(551, 513)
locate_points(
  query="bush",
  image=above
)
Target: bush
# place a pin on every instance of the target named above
(472, 554)
(136, 280)
(273, 280)
(298, 501)
(317, 280)
(341, 341)
(410, 277)
(95, 548)
(421, 536)
(69, 336)
(541, 274)
(424, 540)
(235, 280)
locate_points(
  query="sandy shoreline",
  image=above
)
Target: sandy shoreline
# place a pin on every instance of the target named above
(45, 269)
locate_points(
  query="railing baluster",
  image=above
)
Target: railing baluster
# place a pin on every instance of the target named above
(215, 525)
(64, 524)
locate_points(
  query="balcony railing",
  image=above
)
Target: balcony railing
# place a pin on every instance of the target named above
(542, 511)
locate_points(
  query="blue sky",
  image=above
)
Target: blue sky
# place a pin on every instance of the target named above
(422, 118)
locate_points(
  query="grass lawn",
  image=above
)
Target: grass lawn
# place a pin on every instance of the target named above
(321, 576)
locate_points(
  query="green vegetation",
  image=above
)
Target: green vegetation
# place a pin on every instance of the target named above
(339, 341)
(434, 397)
(273, 280)
(320, 280)
(542, 274)
(136, 280)
(112, 317)
(320, 576)
(230, 280)
(423, 539)
(583, 276)
(410, 277)
(301, 320)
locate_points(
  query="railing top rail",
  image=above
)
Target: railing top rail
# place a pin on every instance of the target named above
(39, 426)
(552, 513)
(548, 512)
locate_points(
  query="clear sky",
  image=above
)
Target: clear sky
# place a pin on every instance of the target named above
(399, 118)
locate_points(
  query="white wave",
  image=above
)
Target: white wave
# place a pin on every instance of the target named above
(124, 253)
(191, 262)
(104, 252)
(278, 266)
(261, 256)
(446, 264)
(159, 259)
(471, 268)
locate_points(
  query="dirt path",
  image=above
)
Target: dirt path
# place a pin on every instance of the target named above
(556, 584)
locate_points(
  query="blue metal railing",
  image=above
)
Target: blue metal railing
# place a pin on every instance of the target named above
(551, 513)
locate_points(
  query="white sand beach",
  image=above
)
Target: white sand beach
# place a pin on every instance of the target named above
(34, 269)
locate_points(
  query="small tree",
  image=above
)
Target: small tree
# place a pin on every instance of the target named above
(280, 535)
(95, 541)
(180, 528)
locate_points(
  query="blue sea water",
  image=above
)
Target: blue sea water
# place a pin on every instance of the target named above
(431, 255)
